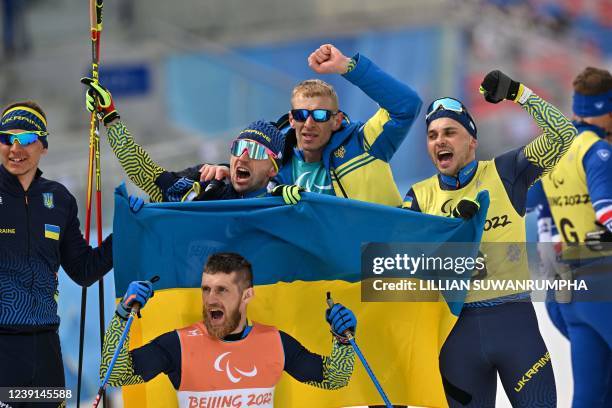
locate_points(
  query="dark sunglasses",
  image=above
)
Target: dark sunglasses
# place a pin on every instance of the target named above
(318, 115)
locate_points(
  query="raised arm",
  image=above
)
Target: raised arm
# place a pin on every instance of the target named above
(399, 104)
(520, 168)
(136, 162)
(558, 132)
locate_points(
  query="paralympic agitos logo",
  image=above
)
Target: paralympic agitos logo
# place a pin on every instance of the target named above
(501, 221)
(447, 208)
(229, 370)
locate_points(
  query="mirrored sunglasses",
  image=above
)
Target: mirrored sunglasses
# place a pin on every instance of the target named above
(444, 104)
(23, 138)
(318, 115)
(255, 150)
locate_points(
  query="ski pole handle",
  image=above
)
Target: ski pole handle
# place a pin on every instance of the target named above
(330, 303)
(135, 309)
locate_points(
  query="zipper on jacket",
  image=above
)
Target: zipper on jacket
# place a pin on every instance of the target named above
(28, 232)
(27, 208)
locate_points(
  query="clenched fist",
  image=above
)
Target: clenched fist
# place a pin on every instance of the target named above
(327, 59)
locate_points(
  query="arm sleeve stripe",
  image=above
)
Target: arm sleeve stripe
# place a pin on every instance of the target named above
(547, 149)
(136, 162)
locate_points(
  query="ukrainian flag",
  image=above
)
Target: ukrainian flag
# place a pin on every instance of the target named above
(52, 232)
(298, 253)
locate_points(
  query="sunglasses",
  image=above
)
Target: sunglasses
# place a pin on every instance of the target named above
(255, 150)
(318, 115)
(24, 138)
(445, 104)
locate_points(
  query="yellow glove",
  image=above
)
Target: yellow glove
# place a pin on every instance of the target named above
(290, 193)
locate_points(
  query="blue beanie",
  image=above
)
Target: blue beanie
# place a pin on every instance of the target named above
(266, 134)
(463, 117)
(24, 118)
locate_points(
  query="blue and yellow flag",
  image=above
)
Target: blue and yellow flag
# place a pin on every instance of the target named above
(298, 253)
(52, 232)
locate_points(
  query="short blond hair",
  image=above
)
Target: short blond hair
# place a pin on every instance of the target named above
(312, 88)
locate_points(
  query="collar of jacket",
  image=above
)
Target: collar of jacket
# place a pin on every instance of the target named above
(583, 127)
(465, 175)
(11, 183)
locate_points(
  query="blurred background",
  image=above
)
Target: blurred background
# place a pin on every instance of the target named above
(188, 75)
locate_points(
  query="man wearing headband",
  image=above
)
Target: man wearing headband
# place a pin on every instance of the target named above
(586, 172)
(497, 332)
(255, 157)
(39, 232)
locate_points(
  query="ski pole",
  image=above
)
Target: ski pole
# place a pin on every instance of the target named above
(351, 340)
(133, 313)
(95, 14)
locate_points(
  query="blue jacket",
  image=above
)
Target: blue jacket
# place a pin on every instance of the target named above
(358, 154)
(39, 231)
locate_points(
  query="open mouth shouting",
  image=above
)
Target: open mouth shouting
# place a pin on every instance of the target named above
(219, 322)
(242, 173)
(215, 315)
(241, 177)
(445, 158)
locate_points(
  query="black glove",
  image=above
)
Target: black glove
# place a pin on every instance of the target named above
(466, 208)
(213, 191)
(595, 240)
(497, 86)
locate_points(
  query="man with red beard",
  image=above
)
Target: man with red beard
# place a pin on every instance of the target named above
(197, 358)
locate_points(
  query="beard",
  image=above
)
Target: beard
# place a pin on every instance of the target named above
(230, 323)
